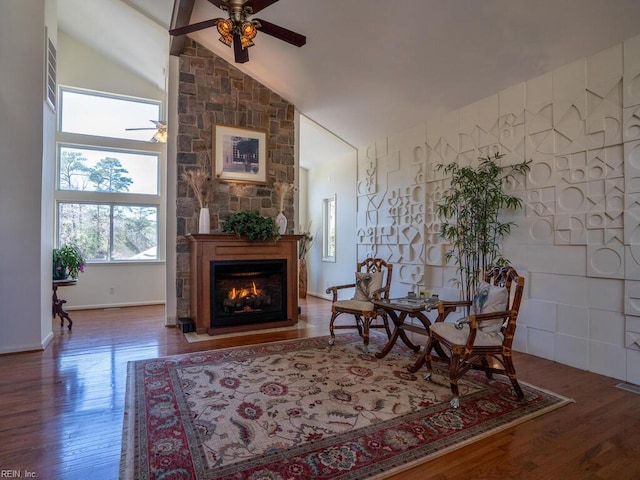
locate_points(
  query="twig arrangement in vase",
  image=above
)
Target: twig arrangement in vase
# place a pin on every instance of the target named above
(282, 191)
(200, 182)
(304, 245)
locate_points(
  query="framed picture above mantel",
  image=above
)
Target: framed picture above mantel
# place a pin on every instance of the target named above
(240, 154)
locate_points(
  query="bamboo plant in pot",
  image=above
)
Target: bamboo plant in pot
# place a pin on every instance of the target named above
(470, 214)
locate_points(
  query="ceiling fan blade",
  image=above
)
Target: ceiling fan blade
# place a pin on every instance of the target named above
(193, 27)
(217, 3)
(257, 5)
(281, 33)
(241, 54)
(150, 128)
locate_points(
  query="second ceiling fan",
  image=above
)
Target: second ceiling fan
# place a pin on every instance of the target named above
(238, 31)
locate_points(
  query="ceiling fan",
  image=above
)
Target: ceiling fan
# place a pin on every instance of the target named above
(161, 131)
(238, 30)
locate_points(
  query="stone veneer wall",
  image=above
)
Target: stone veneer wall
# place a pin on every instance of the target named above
(214, 92)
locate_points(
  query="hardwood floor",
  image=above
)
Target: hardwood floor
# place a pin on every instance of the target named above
(61, 415)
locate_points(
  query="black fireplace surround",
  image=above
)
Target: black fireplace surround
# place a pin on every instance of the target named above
(248, 292)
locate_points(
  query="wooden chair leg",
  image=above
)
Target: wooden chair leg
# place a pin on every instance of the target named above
(485, 364)
(385, 320)
(358, 323)
(453, 379)
(332, 340)
(427, 358)
(511, 372)
(365, 333)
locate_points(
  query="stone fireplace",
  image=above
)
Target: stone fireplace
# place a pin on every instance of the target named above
(214, 92)
(237, 285)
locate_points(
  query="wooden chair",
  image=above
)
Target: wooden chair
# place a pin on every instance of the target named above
(480, 341)
(361, 306)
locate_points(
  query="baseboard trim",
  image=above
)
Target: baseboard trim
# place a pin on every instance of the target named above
(114, 305)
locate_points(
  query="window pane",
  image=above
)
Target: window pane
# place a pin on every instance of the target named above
(329, 229)
(96, 170)
(135, 233)
(87, 226)
(110, 232)
(107, 116)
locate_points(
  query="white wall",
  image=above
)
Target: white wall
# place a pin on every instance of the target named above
(26, 138)
(578, 241)
(337, 177)
(171, 235)
(121, 284)
(303, 200)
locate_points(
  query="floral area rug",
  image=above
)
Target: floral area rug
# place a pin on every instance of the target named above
(299, 409)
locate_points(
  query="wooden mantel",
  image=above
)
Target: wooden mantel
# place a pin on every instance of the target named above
(205, 248)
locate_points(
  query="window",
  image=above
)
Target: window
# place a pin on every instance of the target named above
(329, 229)
(106, 115)
(108, 194)
(110, 232)
(107, 170)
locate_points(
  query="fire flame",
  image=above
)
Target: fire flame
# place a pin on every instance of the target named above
(235, 293)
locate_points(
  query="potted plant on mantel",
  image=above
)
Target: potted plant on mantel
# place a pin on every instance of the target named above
(470, 214)
(251, 225)
(67, 262)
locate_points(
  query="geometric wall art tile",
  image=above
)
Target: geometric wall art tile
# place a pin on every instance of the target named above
(571, 229)
(631, 123)
(632, 167)
(605, 261)
(571, 198)
(632, 298)
(632, 332)
(632, 262)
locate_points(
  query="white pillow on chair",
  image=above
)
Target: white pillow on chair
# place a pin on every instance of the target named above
(366, 284)
(489, 299)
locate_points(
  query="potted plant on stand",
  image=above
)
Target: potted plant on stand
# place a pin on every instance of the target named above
(67, 262)
(470, 214)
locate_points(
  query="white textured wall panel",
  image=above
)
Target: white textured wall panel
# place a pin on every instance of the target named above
(578, 235)
(540, 343)
(607, 327)
(632, 72)
(573, 320)
(571, 351)
(633, 366)
(606, 294)
(538, 314)
(607, 359)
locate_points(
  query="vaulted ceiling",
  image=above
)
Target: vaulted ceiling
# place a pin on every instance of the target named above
(374, 67)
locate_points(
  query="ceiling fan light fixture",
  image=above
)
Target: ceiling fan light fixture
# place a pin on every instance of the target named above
(225, 29)
(161, 134)
(249, 32)
(238, 31)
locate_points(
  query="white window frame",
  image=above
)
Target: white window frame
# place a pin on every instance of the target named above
(76, 140)
(329, 228)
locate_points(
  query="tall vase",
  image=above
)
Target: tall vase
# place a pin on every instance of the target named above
(204, 224)
(302, 278)
(281, 222)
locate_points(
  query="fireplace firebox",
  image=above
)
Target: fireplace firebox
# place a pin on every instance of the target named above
(248, 292)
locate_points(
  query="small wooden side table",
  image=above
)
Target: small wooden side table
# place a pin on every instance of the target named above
(401, 308)
(57, 303)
